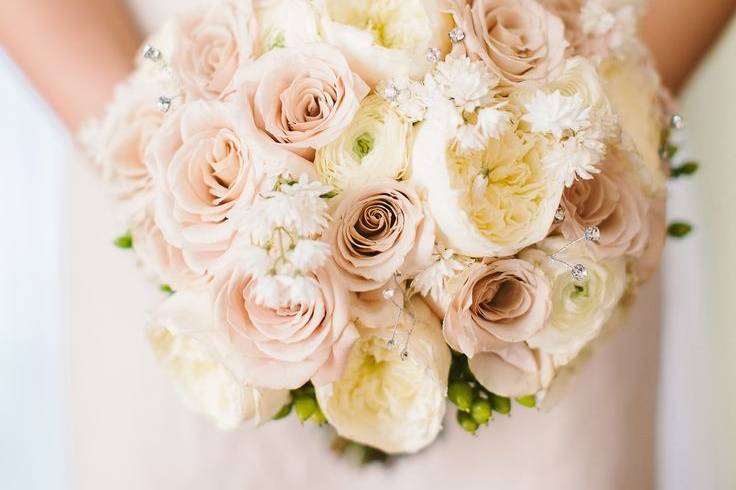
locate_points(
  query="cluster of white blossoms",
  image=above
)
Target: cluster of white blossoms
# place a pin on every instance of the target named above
(324, 181)
(282, 231)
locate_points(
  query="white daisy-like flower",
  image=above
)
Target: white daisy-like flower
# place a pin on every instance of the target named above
(596, 18)
(432, 281)
(465, 82)
(308, 255)
(491, 123)
(554, 113)
(576, 157)
(409, 97)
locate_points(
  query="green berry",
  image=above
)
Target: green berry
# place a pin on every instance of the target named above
(481, 411)
(124, 241)
(304, 407)
(466, 422)
(529, 401)
(461, 394)
(501, 404)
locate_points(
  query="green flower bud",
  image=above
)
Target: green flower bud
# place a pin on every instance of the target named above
(285, 410)
(466, 422)
(501, 404)
(481, 411)
(461, 394)
(124, 241)
(305, 406)
(529, 401)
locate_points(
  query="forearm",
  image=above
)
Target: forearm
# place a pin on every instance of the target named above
(680, 32)
(74, 51)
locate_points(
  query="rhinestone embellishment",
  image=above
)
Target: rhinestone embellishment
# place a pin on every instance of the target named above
(457, 35)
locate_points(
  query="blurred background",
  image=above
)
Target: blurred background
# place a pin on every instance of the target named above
(697, 391)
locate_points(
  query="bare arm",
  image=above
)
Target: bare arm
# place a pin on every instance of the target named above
(74, 51)
(680, 33)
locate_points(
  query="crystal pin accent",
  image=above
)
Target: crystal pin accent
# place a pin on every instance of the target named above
(151, 53)
(164, 103)
(433, 55)
(592, 234)
(457, 35)
(579, 272)
(560, 215)
(677, 122)
(391, 92)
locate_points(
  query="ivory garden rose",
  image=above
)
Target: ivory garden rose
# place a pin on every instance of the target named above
(370, 403)
(182, 335)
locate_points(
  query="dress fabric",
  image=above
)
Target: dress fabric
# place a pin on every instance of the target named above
(131, 431)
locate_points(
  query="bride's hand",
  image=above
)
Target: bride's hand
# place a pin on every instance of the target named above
(74, 51)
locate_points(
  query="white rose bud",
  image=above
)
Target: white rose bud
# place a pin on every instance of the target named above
(183, 341)
(394, 405)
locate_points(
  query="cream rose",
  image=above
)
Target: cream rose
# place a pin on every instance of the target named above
(378, 231)
(374, 145)
(207, 164)
(385, 39)
(579, 310)
(516, 370)
(185, 343)
(285, 23)
(303, 97)
(211, 46)
(287, 346)
(634, 89)
(518, 39)
(504, 301)
(487, 203)
(396, 406)
(614, 203)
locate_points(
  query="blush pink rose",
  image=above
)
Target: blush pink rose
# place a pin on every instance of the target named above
(164, 262)
(121, 141)
(207, 165)
(519, 40)
(646, 265)
(498, 303)
(612, 201)
(212, 45)
(378, 231)
(287, 346)
(516, 370)
(303, 97)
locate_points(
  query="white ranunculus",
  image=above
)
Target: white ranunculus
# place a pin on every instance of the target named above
(396, 406)
(383, 39)
(374, 145)
(284, 23)
(579, 310)
(184, 343)
(487, 203)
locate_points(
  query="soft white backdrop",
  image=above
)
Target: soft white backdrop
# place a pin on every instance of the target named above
(696, 423)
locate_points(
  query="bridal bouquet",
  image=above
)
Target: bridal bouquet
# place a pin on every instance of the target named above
(363, 209)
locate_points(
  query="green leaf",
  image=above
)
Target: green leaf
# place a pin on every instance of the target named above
(124, 241)
(679, 229)
(668, 151)
(166, 289)
(284, 412)
(687, 168)
(328, 195)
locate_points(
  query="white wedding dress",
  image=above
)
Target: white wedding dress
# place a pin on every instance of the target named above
(130, 431)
